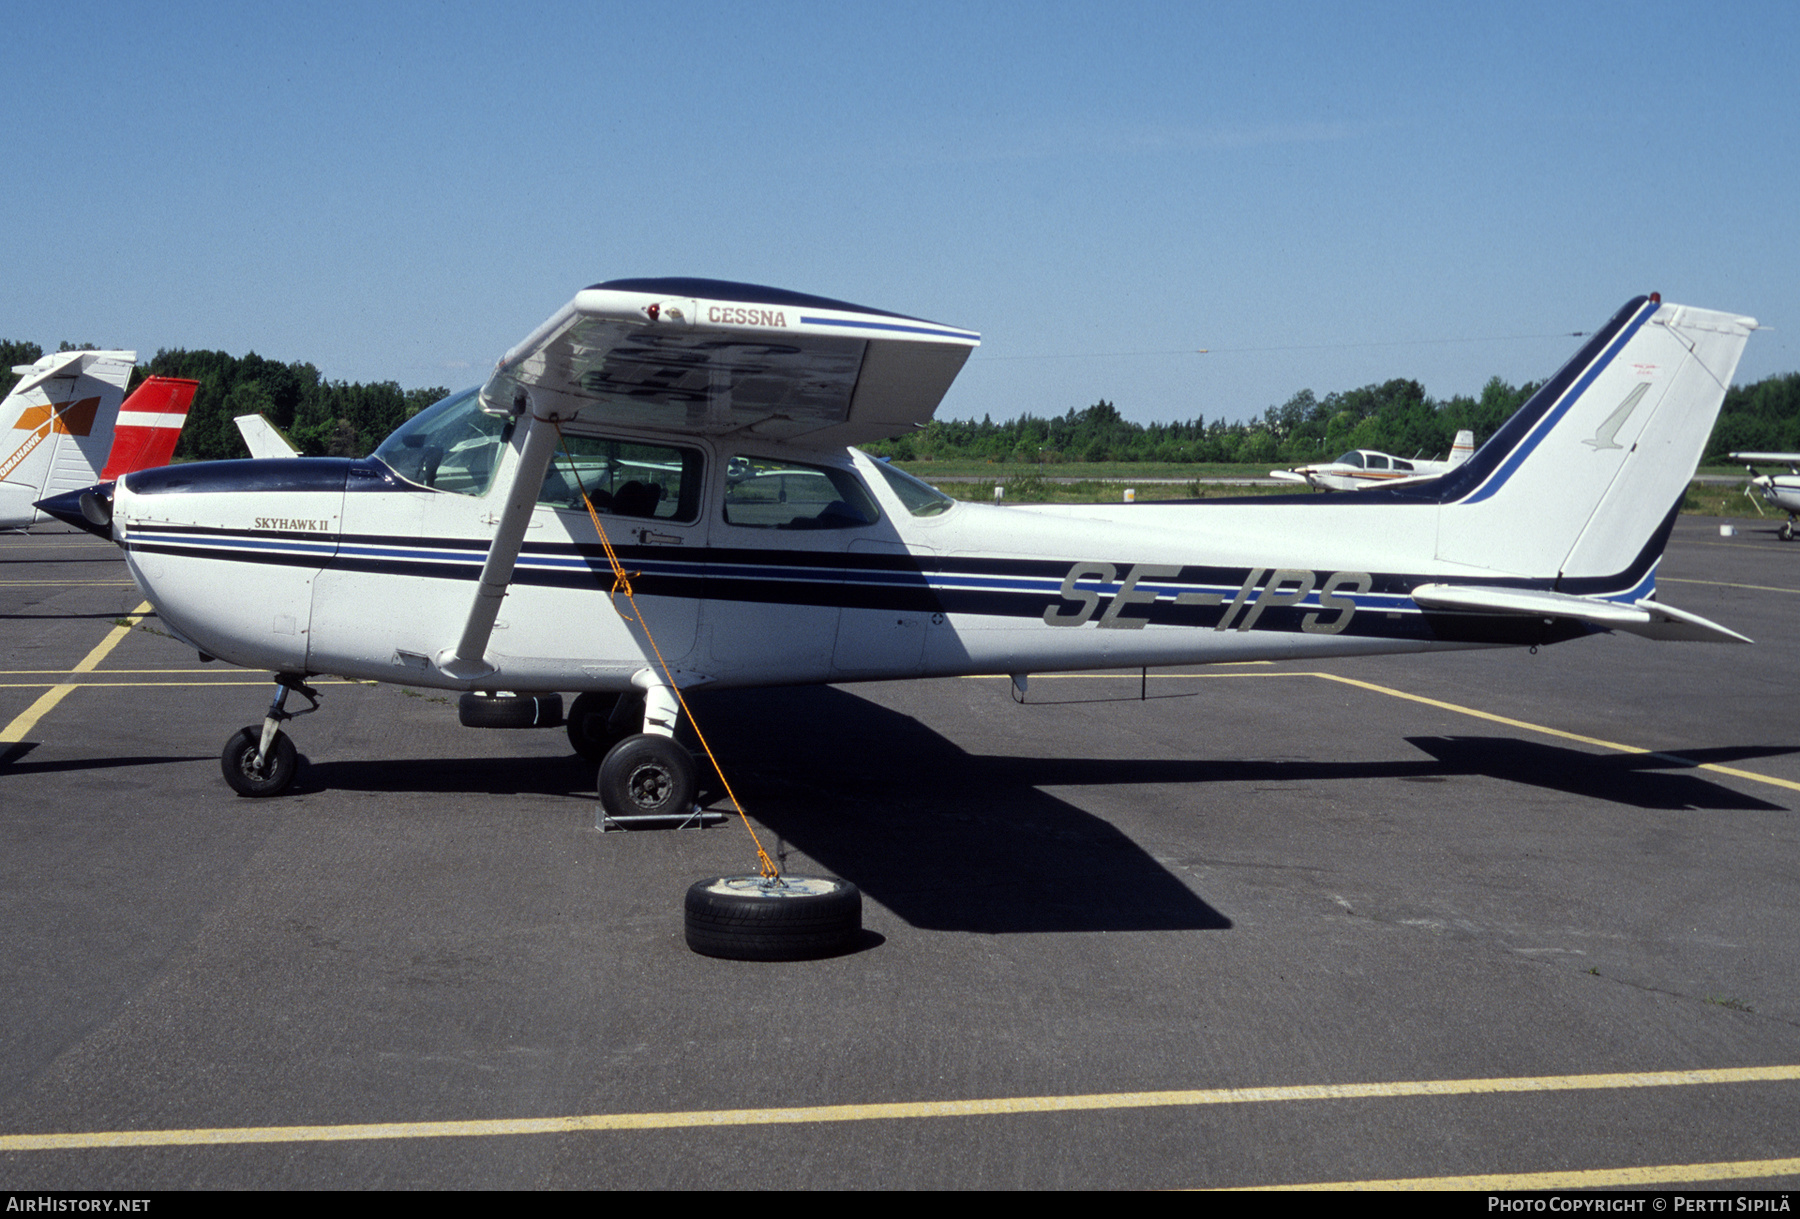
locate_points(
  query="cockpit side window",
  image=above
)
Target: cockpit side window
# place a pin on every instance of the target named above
(766, 494)
(1377, 461)
(1352, 458)
(625, 478)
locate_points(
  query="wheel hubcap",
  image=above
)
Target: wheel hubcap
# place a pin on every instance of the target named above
(650, 786)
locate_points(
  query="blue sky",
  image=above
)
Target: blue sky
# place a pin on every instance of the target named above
(1321, 195)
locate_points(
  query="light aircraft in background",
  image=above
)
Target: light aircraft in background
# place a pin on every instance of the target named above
(470, 551)
(1363, 468)
(262, 438)
(70, 424)
(1781, 490)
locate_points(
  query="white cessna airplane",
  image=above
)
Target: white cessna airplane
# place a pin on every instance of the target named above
(68, 414)
(1781, 490)
(706, 424)
(1363, 468)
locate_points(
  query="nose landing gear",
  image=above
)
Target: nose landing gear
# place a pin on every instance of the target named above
(261, 761)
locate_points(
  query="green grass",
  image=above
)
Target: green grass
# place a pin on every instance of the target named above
(1001, 470)
(1105, 483)
(1030, 490)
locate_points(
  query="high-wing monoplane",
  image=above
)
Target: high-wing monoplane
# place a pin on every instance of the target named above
(71, 424)
(1360, 469)
(653, 492)
(1781, 490)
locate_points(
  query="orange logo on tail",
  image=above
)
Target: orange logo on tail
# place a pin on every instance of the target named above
(76, 419)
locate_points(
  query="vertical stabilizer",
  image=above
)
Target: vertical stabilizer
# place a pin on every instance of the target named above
(56, 427)
(149, 424)
(1577, 483)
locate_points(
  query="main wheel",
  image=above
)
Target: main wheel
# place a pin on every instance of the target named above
(273, 777)
(646, 775)
(742, 919)
(1787, 531)
(597, 722)
(477, 710)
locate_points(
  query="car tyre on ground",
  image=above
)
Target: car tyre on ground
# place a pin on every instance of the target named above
(744, 918)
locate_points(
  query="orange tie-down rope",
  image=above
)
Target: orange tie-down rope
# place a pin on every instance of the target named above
(622, 584)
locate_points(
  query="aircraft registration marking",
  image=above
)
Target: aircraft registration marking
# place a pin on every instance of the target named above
(1287, 586)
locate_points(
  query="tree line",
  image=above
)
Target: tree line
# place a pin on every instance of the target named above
(337, 418)
(322, 418)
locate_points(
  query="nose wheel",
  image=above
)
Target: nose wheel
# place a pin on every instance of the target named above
(260, 760)
(253, 771)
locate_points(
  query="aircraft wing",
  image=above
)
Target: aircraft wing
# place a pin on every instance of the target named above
(1785, 458)
(1302, 474)
(707, 357)
(1645, 617)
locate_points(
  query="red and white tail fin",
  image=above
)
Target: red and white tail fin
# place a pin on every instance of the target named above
(149, 425)
(1462, 446)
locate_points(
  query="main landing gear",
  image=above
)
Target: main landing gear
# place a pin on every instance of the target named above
(261, 761)
(647, 778)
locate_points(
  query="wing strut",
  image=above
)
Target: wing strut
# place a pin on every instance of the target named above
(468, 658)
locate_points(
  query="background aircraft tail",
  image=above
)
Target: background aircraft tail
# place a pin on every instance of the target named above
(1462, 448)
(262, 438)
(149, 425)
(1580, 483)
(57, 424)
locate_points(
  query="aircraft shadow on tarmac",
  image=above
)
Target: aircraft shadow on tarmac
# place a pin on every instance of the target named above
(949, 840)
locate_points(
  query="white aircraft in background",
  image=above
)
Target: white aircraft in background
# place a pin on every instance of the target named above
(698, 429)
(1781, 490)
(1362, 468)
(262, 438)
(71, 424)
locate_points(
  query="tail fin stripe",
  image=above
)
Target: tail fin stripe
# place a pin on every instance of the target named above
(1552, 417)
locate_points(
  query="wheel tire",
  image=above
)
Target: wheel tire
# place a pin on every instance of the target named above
(1787, 531)
(238, 763)
(646, 775)
(736, 918)
(597, 722)
(509, 710)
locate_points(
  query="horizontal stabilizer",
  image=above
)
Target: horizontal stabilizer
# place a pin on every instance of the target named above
(1648, 618)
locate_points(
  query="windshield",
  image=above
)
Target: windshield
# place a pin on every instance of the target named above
(449, 446)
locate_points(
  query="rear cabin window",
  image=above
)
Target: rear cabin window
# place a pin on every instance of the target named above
(764, 494)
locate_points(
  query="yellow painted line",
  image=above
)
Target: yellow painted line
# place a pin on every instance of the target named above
(133, 685)
(1761, 588)
(1457, 708)
(991, 1107)
(1615, 746)
(26, 720)
(1592, 1178)
(54, 672)
(1123, 674)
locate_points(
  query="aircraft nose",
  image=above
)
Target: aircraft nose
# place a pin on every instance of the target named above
(89, 509)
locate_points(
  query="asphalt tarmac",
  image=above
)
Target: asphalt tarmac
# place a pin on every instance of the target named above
(1482, 918)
